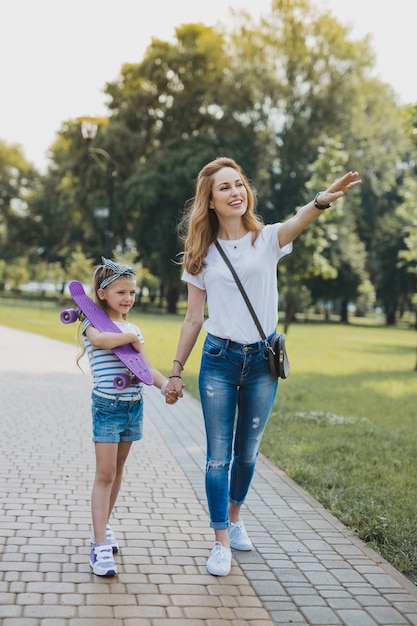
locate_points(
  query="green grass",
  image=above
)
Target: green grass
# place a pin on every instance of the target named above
(343, 424)
(344, 427)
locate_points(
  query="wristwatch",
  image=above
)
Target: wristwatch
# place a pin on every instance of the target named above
(321, 207)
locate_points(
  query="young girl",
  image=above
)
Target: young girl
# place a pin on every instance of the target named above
(117, 415)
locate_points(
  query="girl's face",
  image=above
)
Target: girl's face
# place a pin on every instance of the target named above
(119, 296)
(229, 195)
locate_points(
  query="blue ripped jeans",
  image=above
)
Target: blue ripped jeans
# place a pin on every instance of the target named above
(237, 392)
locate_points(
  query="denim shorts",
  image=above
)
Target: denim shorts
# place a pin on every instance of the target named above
(116, 420)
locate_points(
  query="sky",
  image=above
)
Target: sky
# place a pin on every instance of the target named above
(56, 57)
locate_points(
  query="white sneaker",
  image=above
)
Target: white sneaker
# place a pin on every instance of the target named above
(111, 539)
(220, 560)
(239, 539)
(101, 560)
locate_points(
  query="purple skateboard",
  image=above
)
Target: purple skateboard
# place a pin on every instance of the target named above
(127, 354)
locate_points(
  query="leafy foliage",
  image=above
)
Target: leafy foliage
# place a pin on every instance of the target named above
(292, 99)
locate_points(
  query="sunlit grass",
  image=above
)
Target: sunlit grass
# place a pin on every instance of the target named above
(344, 427)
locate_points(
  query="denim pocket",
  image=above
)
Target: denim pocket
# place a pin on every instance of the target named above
(101, 404)
(213, 346)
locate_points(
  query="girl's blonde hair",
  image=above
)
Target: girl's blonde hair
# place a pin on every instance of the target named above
(101, 272)
(199, 225)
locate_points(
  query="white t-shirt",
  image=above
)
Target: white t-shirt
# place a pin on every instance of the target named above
(228, 314)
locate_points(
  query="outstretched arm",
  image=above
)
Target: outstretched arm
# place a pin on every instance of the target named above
(309, 213)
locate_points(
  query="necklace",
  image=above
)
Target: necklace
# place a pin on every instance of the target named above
(233, 242)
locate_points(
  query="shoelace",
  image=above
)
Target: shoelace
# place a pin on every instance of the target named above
(237, 530)
(218, 551)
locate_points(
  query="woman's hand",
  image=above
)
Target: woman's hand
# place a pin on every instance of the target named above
(174, 390)
(339, 188)
(291, 228)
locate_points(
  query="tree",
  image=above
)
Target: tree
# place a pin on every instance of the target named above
(330, 258)
(18, 179)
(306, 71)
(63, 212)
(178, 109)
(17, 274)
(269, 95)
(79, 267)
(317, 84)
(407, 257)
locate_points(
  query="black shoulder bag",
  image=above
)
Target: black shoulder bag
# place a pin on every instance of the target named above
(278, 358)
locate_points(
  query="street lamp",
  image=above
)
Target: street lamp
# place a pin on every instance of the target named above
(89, 128)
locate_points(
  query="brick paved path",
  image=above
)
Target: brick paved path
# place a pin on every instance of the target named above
(307, 568)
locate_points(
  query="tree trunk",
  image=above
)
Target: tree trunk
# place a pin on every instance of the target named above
(344, 312)
(390, 316)
(290, 309)
(172, 299)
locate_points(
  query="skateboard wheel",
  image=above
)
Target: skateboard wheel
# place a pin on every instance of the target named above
(134, 380)
(69, 316)
(121, 382)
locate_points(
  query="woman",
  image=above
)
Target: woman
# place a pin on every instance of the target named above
(237, 389)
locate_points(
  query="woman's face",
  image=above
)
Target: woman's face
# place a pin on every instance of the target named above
(229, 195)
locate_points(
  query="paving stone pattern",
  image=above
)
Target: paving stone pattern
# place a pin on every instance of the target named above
(307, 568)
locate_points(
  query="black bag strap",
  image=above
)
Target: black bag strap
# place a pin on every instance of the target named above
(242, 290)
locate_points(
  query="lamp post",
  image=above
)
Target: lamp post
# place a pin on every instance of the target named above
(89, 128)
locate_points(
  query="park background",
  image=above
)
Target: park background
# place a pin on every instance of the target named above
(293, 96)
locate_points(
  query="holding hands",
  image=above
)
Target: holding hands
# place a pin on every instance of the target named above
(172, 389)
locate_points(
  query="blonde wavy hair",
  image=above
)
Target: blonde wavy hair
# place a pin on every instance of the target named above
(199, 224)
